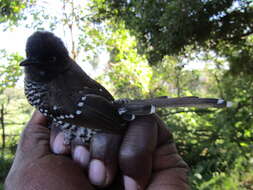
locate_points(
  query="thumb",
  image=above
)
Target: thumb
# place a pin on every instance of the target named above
(35, 138)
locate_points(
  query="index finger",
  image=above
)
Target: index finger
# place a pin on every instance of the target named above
(136, 152)
(35, 135)
(38, 119)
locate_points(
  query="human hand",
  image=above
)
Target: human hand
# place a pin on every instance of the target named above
(36, 167)
(145, 158)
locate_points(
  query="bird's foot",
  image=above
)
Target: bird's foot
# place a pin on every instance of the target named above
(81, 135)
(68, 136)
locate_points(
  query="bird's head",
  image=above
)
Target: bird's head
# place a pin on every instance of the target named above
(46, 56)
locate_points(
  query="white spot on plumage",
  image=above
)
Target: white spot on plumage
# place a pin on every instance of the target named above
(71, 116)
(60, 122)
(65, 126)
(133, 117)
(152, 109)
(83, 98)
(73, 127)
(31, 92)
(78, 112)
(54, 107)
(220, 101)
(62, 117)
(80, 104)
(122, 111)
(37, 101)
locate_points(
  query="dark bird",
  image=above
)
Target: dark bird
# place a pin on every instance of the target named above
(79, 105)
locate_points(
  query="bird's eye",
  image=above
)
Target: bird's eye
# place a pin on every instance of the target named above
(52, 59)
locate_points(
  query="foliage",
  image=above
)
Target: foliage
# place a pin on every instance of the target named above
(9, 69)
(239, 177)
(240, 56)
(125, 63)
(217, 144)
(11, 10)
(168, 27)
(209, 140)
(5, 165)
(16, 113)
(72, 23)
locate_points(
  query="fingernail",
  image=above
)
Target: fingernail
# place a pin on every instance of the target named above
(130, 183)
(97, 173)
(82, 156)
(59, 147)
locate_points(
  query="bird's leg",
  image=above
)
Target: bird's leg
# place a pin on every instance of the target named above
(69, 131)
(68, 136)
(79, 134)
(85, 134)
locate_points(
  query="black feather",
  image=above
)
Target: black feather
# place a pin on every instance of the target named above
(79, 105)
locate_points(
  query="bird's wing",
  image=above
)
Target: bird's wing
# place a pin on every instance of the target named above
(83, 107)
(77, 78)
(94, 111)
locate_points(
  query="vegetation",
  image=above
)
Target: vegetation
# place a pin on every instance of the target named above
(168, 27)
(201, 48)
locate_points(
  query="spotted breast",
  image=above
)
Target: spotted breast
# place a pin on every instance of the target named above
(38, 95)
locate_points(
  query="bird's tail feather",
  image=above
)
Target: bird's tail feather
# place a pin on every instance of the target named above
(148, 106)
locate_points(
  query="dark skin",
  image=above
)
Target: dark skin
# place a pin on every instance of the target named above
(144, 158)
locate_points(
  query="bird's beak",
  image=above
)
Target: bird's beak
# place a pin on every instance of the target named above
(28, 62)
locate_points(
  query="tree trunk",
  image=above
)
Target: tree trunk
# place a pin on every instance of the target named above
(2, 127)
(178, 86)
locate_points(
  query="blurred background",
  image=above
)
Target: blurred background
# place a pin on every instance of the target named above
(143, 49)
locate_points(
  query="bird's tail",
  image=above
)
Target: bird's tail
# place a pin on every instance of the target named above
(148, 106)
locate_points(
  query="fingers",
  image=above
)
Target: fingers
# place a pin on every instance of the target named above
(37, 119)
(100, 159)
(35, 134)
(146, 147)
(34, 141)
(80, 152)
(104, 158)
(81, 155)
(136, 152)
(169, 169)
(57, 141)
(164, 133)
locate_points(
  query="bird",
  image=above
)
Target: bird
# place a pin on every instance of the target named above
(80, 106)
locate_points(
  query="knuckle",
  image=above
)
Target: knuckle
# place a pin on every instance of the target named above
(33, 134)
(132, 153)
